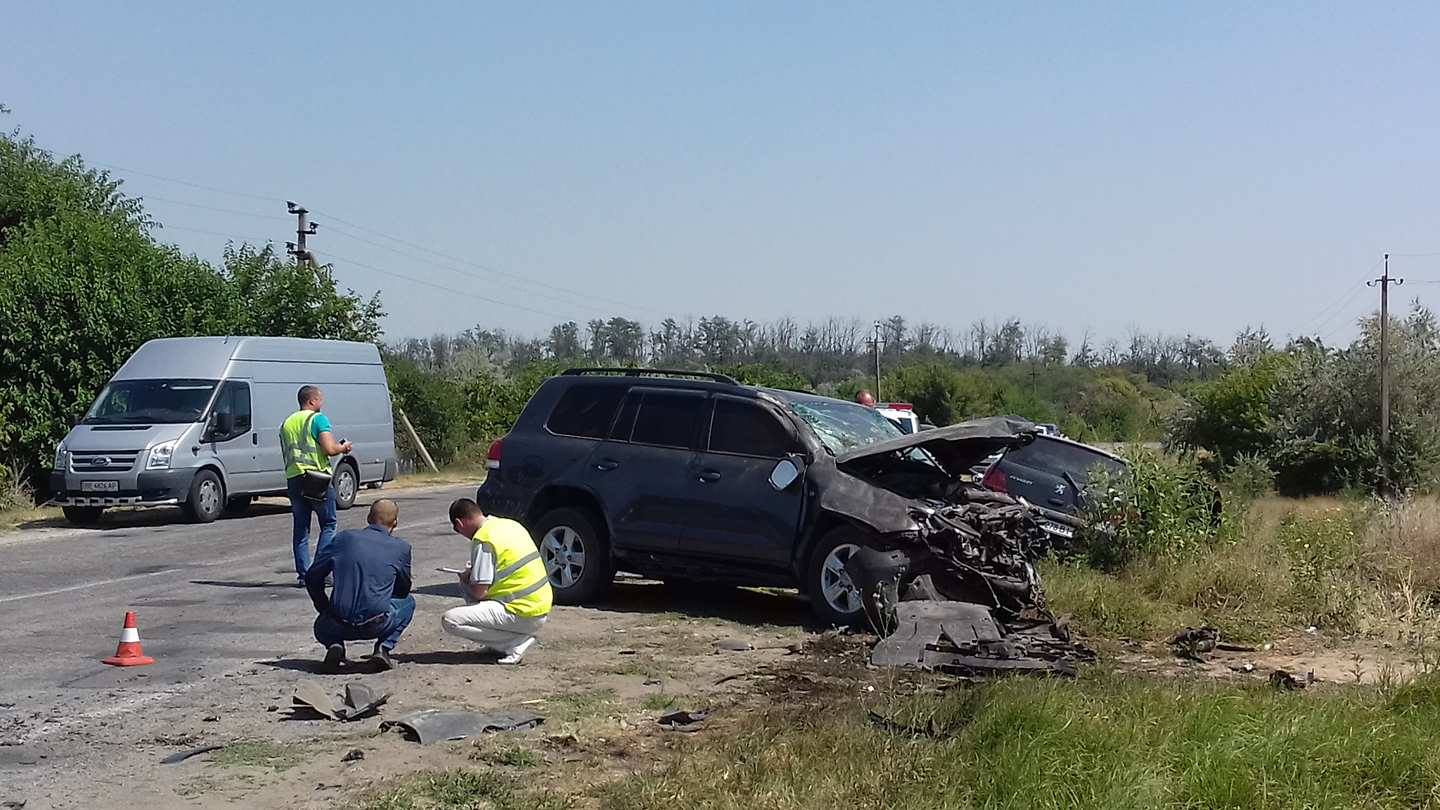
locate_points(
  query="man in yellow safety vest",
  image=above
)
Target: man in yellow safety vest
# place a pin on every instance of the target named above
(307, 441)
(506, 588)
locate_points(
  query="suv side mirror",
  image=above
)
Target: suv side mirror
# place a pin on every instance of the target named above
(787, 471)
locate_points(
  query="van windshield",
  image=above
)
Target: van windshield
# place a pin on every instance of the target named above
(127, 402)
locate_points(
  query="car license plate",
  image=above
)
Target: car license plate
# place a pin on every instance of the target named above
(1060, 530)
(99, 486)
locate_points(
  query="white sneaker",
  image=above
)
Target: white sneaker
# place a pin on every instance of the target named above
(513, 657)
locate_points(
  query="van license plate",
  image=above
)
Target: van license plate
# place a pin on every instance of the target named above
(99, 486)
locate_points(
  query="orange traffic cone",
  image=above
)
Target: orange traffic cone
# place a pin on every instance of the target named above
(128, 652)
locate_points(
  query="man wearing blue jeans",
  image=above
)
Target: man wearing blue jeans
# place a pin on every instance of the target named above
(307, 441)
(371, 595)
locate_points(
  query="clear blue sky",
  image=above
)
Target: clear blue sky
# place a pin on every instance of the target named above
(1173, 167)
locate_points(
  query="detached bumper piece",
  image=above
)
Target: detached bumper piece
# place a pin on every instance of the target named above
(963, 638)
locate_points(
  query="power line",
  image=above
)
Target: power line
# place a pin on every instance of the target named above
(485, 269)
(387, 272)
(407, 243)
(255, 239)
(152, 198)
(442, 287)
(202, 186)
(457, 270)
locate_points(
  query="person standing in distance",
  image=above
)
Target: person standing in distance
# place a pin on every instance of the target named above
(506, 588)
(308, 443)
(865, 398)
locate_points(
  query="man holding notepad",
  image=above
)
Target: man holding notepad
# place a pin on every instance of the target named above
(506, 588)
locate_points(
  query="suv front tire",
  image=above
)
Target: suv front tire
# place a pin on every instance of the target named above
(576, 554)
(834, 599)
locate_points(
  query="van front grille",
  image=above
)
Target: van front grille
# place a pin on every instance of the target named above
(103, 461)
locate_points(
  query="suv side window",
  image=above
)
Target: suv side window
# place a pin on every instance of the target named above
(669, 418)
(585, 411)
(748, 429)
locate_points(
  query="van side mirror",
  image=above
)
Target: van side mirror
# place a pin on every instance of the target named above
(222, 426)
(786, 472)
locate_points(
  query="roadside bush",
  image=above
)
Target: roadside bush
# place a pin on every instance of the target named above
(1247, 478)
(15, 492)
(1159, 507)
(1324, 554)
(436, 407)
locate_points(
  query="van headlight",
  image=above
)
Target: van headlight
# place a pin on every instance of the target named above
(160, 456)
(62, 458)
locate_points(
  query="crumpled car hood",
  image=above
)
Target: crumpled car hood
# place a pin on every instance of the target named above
(958, 447)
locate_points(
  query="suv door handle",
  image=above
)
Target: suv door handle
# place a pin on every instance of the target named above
(709, 476)
(606, 465)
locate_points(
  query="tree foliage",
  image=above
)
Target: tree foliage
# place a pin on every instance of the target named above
(83, 282)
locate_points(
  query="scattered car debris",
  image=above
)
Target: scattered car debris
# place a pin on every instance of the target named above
(359, 701)
(428, 726)
(931, 729)
(958, 592)
(1281, 679)
(1245, 668)
(733, 645)
(181, 756)
(683, 720)
(963, 638)
(353, 755)
(1194, 642)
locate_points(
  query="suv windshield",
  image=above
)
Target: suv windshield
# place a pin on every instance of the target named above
(140, 401)
(842, 426)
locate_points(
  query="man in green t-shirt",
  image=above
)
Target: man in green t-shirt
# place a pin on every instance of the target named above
(307, 441)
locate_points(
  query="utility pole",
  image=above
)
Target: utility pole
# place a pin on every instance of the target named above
(1384, 283)
(303, 228)
(876, 343)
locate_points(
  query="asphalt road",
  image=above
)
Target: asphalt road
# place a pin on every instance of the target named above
(211, 600)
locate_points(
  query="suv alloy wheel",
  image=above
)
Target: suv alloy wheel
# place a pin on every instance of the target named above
(576, 555)
(834, 598)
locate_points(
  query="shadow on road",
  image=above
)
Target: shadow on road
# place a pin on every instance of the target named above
(459, 657)
(704, 601)
(151, 518)
(230, 583)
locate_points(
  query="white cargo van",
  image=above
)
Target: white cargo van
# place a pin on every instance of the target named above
(195, 422)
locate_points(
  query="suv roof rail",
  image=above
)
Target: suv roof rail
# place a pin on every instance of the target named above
(652, 372)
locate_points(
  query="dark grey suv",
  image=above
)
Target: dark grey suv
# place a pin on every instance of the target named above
(696, 478)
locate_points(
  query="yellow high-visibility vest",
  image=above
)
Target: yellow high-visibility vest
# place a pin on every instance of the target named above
(520, 583)
(301, 450)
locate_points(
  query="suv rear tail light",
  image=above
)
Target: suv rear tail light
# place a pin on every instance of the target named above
(492, 458)
(996, 480)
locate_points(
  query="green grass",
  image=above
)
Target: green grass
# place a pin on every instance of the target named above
(660, 702)
(260, 754)
(1105, 740)
(457, 789)
(511, 756)
(580, 705)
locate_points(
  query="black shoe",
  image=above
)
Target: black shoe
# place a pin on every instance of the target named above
(334, 657)
(382, 659)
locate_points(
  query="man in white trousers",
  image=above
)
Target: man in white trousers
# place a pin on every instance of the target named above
(506, 589)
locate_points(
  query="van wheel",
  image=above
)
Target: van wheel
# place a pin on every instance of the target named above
(834, 599)
(207, 497)
(83, 515)
(576, 554)
(347, 484)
